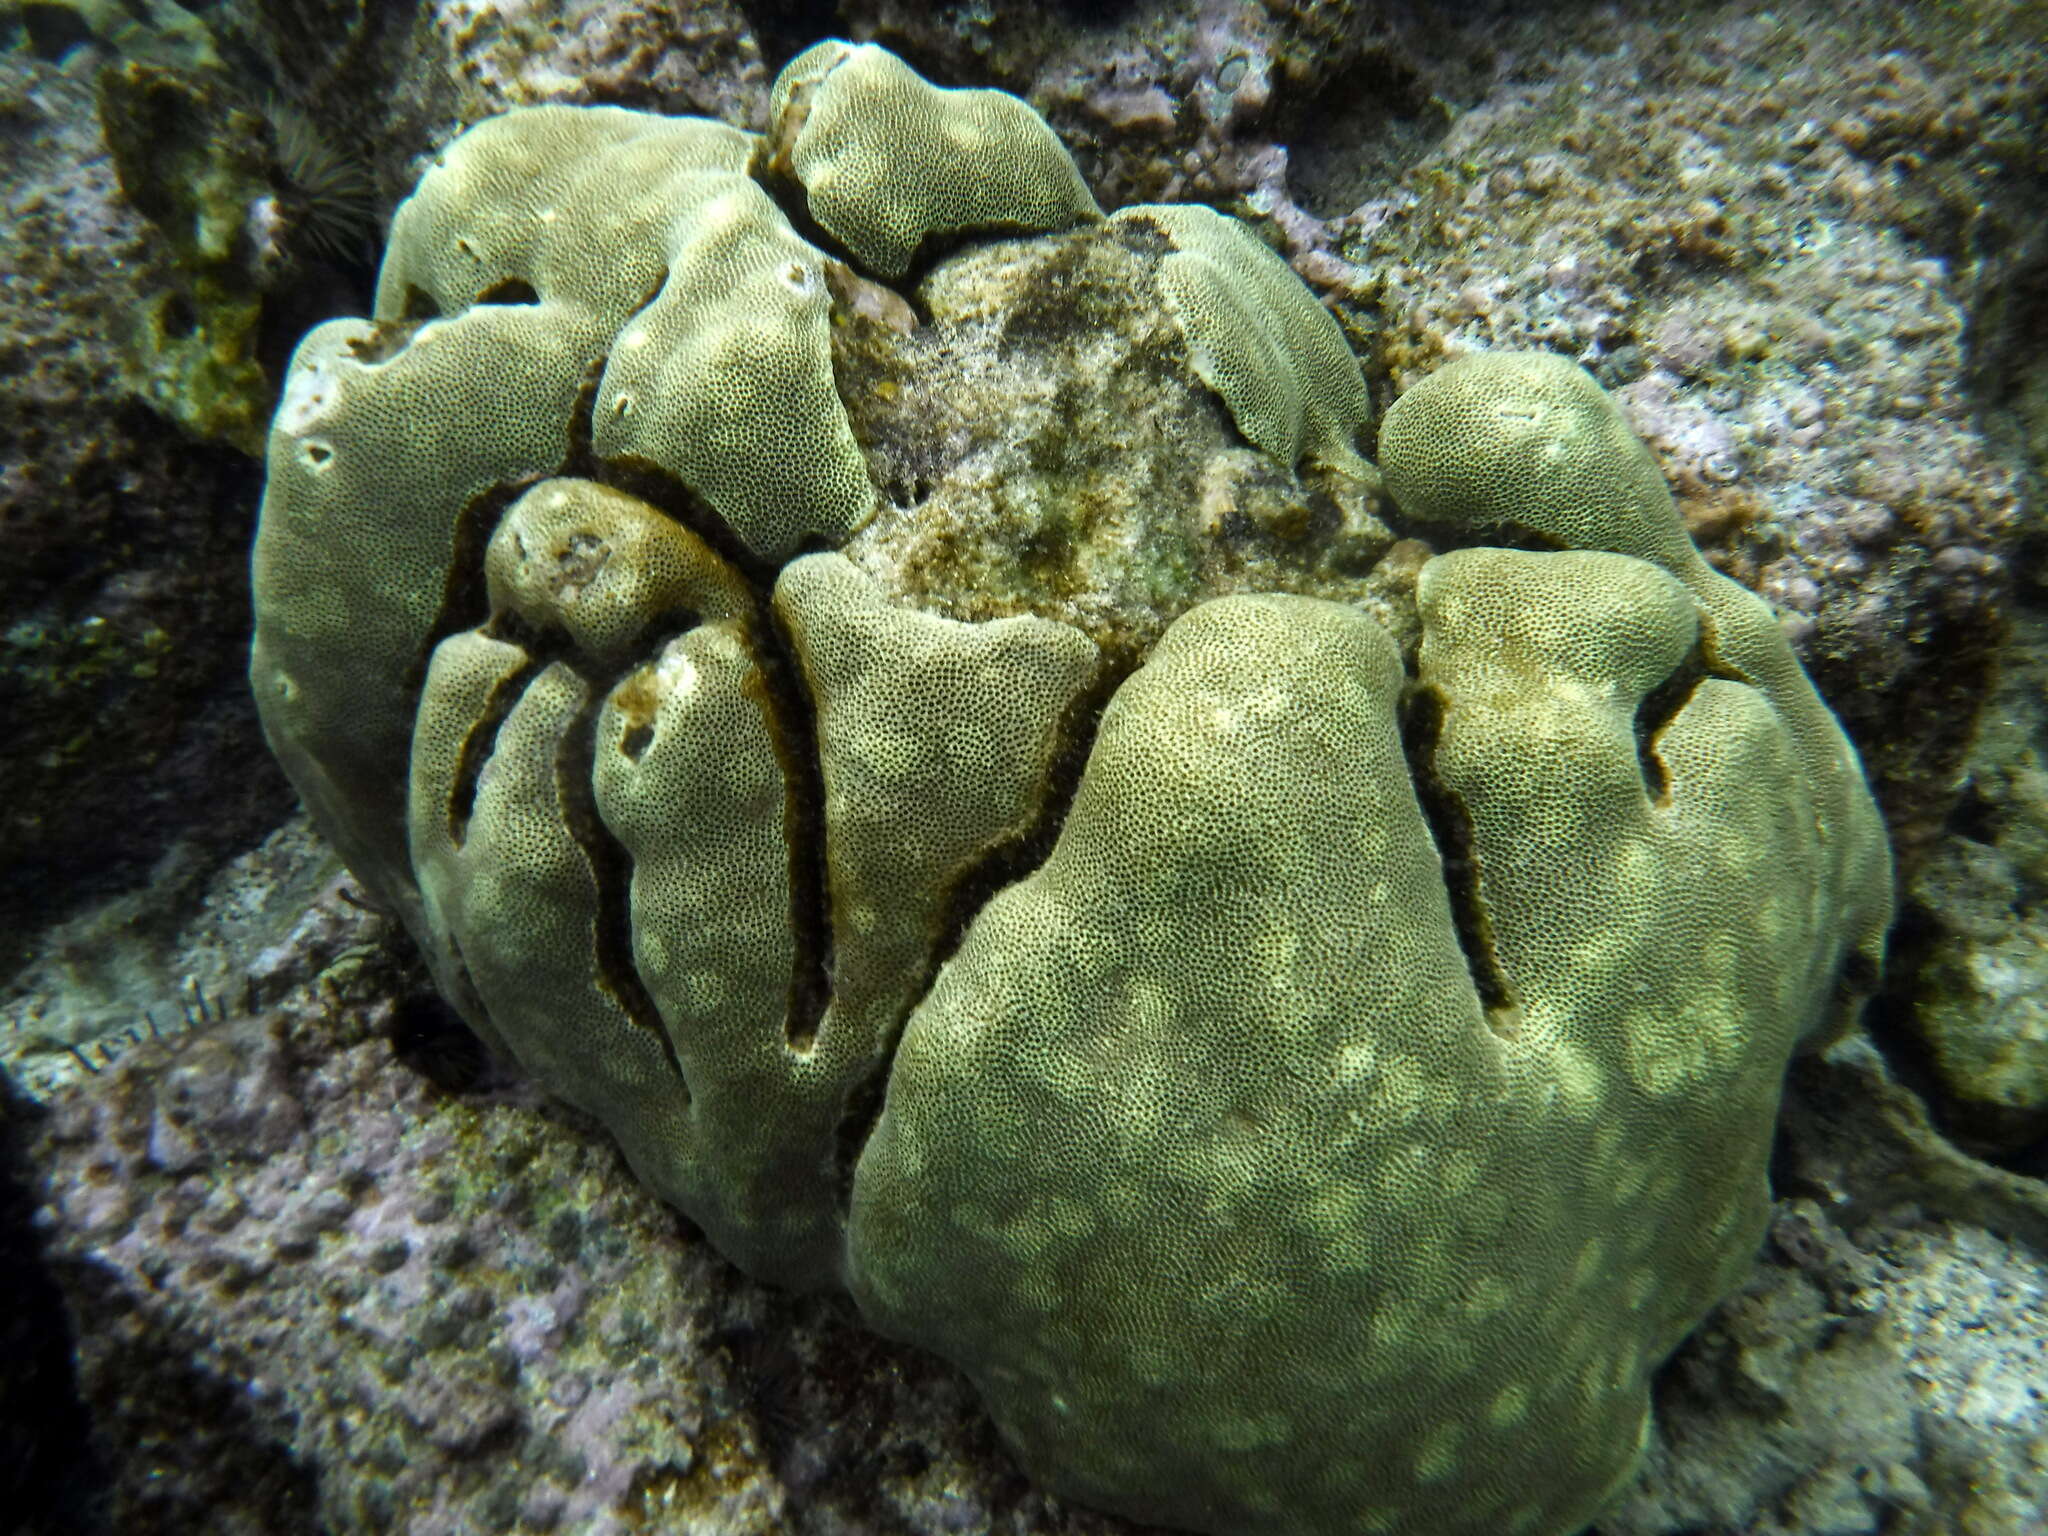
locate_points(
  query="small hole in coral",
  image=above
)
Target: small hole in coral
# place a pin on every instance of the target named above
(317, 454)
(635, 742)
(177, 317)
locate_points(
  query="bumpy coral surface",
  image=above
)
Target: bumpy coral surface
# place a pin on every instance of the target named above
(1307, 1060)
(889, 161)
(1258, 337)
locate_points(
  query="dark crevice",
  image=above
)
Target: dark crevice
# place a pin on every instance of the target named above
(662, 491)
(386, 340)
(464, 602)
(581, 460)
(466, 606)
(1977, 817)
(51, 1479)
(1450, 826)
(1890, 1021)
(1712, 662)
(419, 306)
(941, 244)
(53, 30)
(177, 318)
(550, 645)
(480, 742)
(1016, 857)
(785, 28)
(863, 1108)
(463, 974)
(647, 299)
(788, 195)
(429, 1039)
(513, 290)
(611, 870)
(1857, 980)
(1660, 706)
(1443, 538)
(1357, 132)
(790, 710)
(786, 705)
(611, 866)
(997, 867)
(1656, 711)
(465, 599)
(654, 640)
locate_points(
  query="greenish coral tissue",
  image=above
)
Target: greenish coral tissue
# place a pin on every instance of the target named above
(1308, 1084)
(888, 160)
(1258, 337)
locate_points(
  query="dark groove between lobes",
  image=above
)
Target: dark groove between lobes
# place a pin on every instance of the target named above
(610, 866)
(611, 872)
(790, 710)
(1019, 856)
(786, 704)
(465, 604)
(581, 456)
(1712, 662)
(465, 600)
(1421, 720)
(791, 714)
(480, 742)
(1000, 865)
(1656, 711)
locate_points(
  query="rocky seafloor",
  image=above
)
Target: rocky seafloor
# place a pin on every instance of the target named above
(282, 1252)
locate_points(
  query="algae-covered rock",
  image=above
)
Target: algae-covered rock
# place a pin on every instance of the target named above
(1977, 923)
(123, 545)
(1308, 1055)
(191, 159)
(1045, 443)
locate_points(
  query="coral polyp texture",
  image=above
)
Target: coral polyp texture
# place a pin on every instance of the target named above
(889, 161)
(1308, 1054)
(1257, 336)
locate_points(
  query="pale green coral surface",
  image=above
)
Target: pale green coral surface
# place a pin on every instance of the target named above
(1307, 1078)
(888, 161)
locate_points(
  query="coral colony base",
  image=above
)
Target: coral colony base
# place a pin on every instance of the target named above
(1306, 1054)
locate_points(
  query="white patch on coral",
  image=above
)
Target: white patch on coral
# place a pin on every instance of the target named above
(308, 393)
